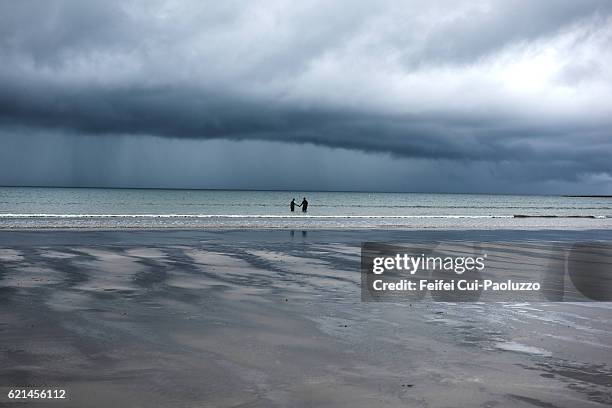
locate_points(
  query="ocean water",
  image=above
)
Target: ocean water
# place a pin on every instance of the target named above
(25, 207)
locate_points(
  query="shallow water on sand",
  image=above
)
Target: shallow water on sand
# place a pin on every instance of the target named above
(270, 319)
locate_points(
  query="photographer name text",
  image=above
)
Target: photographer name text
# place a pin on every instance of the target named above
(476, 285)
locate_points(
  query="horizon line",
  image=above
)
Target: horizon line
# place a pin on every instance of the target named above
(306, 191)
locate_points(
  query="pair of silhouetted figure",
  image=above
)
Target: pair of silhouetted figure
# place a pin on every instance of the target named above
(304, 205)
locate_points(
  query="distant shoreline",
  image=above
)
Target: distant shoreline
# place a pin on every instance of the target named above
(296, 190)
(312, 191)
(589, 196)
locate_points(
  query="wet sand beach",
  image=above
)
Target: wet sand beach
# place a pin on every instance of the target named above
(275, 319)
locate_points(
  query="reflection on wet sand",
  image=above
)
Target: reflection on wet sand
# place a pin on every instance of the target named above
(266, 323)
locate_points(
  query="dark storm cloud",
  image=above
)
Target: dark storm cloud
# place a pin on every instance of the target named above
(189, 114)
(525, 85)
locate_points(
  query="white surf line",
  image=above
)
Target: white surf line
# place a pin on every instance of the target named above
(295, 217)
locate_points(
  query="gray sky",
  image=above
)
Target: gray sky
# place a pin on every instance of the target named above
(475, 96)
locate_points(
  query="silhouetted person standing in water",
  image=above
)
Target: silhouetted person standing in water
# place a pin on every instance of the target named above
(292, 205)
(304, 205)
